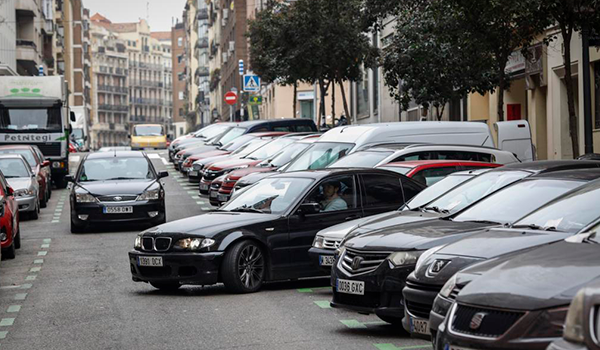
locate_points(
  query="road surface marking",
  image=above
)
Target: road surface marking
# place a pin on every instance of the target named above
(47, 240)
(42, 253)
(35, 269)
(27, 286)
(164, 161)
(3, 335)
(46, 245)
(55, 222)
(38, 261)
(14, 308)
(323, 304)
(20, 296)
(30, 278)
(7, 322)
(205, 208)
(153, 155)
(74, 159)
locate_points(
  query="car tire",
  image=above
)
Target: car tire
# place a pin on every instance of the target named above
(17, 241)
(244, 268)
(44, 201)
(9, 253)
(166, 286)
(34, 215)
(75, 228)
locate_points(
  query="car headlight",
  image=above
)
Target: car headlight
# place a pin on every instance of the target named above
(23, 192)
(400, 259)
(84, 198)
(149, 195)
(197, 166)
(318, 242)
(138, 242)
(448, 287)
(194, 243)
(574, 330)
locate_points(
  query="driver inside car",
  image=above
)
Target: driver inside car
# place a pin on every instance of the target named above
(332, 200)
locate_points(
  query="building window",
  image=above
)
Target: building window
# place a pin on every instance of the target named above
(180, 95)
(597, 92)
(362, 95)
(181, 112)
(180, 42)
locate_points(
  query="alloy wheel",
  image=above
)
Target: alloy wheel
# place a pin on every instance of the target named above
(251, 266)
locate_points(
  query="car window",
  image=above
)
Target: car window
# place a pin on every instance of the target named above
(270, 149)
(303, 128)
(320, 155)
(4, 185)
(231, 135)
(432, 175)
(435, 191)
(516, 201)
(335, 194)
(446, 155)
(135, 168)
(282, 128)
(382, 191)
(287, 155)
(363, 159)
(263, 129)
(13, 168)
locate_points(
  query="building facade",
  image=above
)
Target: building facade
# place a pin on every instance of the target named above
(162, 42)
(179, 79)
(8, 38)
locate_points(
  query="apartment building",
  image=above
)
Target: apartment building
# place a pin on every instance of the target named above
(162, 42)
(190, 21)
(179, 79)
(215, 58)
(202, 73)
(111, 90)
(8, 38)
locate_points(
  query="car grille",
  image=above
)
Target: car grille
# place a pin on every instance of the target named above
(454, 292)
(357, 262)
(159, 244)
(331, 243)
(493, 324)
(117, 198)
(421, 310)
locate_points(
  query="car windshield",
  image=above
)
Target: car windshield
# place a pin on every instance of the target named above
(570, 213)
(250, 147)
(270, 149)
(285, 156)
(77, 134)
(434, 191)
(238, 142)
(27, 154)
(211, 131)
(105, 169)
(320, 155)
(14, 167)
(472, 191)
(274, 196)
(30, 119)
(363, 159)
(517, 200)
(148, 130)
(231, 135)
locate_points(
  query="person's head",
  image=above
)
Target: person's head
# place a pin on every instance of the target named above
(331, 188)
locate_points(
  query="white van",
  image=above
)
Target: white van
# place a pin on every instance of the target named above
(515, 136)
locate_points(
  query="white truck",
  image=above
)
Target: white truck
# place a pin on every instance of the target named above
(79, 132)
(35, 111)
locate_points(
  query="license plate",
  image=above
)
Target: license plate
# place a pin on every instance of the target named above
(153, 261)
(326, 260)
(118, 210)
(222, 198)
(350, 287)
(420, 326)
(203, 187)
(452, 347)
(193, 173)
(213, 194)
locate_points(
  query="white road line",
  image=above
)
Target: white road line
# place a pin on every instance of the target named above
(164, 161)
(153, 155)
(74, 159)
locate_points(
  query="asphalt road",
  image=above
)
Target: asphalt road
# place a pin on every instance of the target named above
(66, 291)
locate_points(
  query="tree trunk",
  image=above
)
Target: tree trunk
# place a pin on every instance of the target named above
(295, 99)
(567, 34)
(321, 103)
(346, 109)
(333, 105)
(501, 88)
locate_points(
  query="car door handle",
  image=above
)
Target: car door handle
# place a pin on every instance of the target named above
(352, 217)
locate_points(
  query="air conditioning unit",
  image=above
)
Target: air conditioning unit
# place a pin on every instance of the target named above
(224, 54)
(225, 14)
(232, 46)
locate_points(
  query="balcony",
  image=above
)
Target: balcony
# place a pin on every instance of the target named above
(48, 27)
(202, 14)
(27, 56)
(202, 72)
(113, 108)
(202, 43)
(113, 89)
(26, 8)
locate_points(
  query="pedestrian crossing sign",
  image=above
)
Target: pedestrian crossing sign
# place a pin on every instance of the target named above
(251, 83)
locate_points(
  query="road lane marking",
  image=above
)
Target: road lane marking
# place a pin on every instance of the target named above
(5, 322)
(47, 240)
(153, 155)
(42, 253)
(46, 245)
(55, 222)
(323, 304)
(38, 261)
(35, 269)
(3, 334)
(74, 159)
(164, 161)
(30, 278)
(14, 308)
(27, 286)
(20, 296)
(353, 324)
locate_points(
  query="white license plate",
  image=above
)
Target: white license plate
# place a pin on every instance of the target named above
(350, 287)
(213, 194)
(418, 325)
(118, 210)
(203, 187)
(326, 260)
(193, 173)
(222, 198)
(153, 261)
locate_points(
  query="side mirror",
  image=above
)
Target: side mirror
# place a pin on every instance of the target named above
(73, 117)
(85, 138)
(309, 208)
(129, 136)
(163, 174)
(69, 178)
(45, 163)
(10, 191)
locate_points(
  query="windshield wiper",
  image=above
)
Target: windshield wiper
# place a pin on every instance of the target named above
(437, 210)
(252, 158)
(123, 178)
(485, 222)
(247, 210)
(535, 227)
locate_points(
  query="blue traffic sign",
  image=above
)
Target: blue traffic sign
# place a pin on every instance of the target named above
(251, 83)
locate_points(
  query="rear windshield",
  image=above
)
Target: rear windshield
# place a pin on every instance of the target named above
(364, 159)
(148, 130)
(320, 155)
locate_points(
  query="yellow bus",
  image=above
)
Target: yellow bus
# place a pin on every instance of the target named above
(148, 136)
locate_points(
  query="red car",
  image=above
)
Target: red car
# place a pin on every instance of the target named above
(72, 148)
(39, 167)
(429, 172)
(10, 237)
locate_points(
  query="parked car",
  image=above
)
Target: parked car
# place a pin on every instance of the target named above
(581, 325)
(520, 301)
(264, 233)
(10, 233)
(199, 136)
(328, 240)
(381, 155)
(372, 269)
(39, 166)
(438, 265)
(18, 173)
(428, 172)
(73, 148)
(116, 187)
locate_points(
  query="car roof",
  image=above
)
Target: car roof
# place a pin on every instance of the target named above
(572, 174)
(258, 122)
(268, 134)
(550, 165)
(322, 173)
(418, 163)
(30, 147)
(118, 154)
(11, 156)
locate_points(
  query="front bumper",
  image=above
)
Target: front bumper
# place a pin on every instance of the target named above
(318, 257)
(194, 175)
(382, 291)
(563, 344)
(183, 268)
(419, 299)
(27, 203)
(95, 212)
(204, 187)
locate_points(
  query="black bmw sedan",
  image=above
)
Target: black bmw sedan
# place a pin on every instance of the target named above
(264, 233)
(116, 187)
